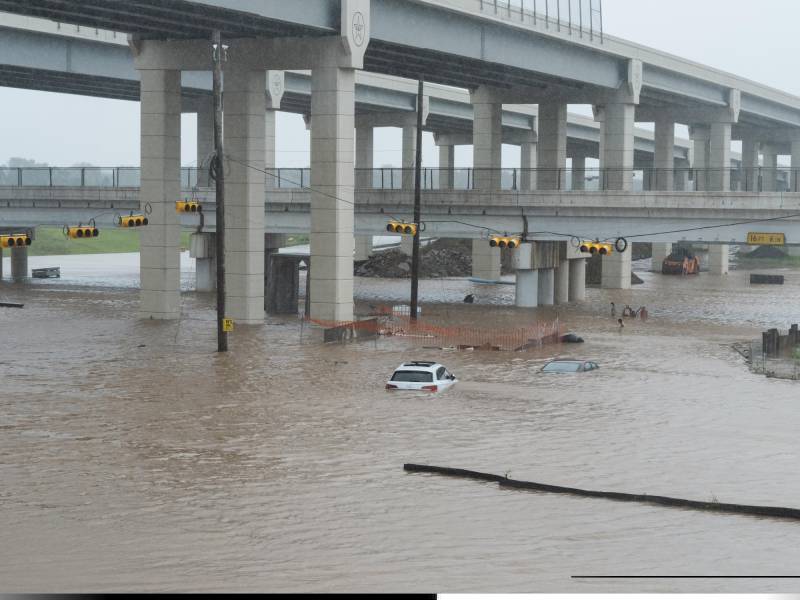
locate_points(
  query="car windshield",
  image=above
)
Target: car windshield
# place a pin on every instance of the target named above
(562, 367)
(413, 376)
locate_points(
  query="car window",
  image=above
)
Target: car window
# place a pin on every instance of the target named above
(562, 367)
(413, 376)
(588, 366)
(595, 366)
(440, 372)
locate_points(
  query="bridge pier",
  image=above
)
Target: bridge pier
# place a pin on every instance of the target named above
(578, 172)
(769, 175)
(660, 252)
(750, 164)
(365, 135)
(205, 139)
(528, 164)
(447, 163)
(332, 179)
(577, 280)
(718, 259)
(663, 156)
(527, 288)
(202, 247)
(485, 261)
(160, 187)
(363, 249)
(618, 137)
(546, 287)
(795, 179)
(552, 149)
(562, 282)
(617, 270)
(19, 263)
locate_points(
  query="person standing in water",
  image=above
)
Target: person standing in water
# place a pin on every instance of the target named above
(621, 325)
(613, 310)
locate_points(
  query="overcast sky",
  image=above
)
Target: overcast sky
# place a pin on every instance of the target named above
(754, 39)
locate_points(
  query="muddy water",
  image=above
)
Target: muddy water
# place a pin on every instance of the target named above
(133, 457)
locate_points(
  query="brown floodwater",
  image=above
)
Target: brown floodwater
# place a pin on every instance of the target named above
(135, 458)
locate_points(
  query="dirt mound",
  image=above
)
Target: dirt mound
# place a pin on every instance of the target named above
(440, 258)
(764, 252)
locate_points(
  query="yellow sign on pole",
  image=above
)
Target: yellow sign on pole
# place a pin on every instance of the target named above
(227, 325)
(766, 239)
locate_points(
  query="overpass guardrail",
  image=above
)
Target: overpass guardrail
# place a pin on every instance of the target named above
(761, 179)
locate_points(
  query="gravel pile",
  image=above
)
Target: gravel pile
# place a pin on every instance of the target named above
(435, 262)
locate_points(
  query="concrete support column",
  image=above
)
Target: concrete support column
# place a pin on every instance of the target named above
(719, 156)
(618, 133)
(700, 137)
(552, 150)
(660, 252)
(245, 109)
(19, 263)
(547, 281)
(528, 165)
(363, 247)
(332, 156)
(447, 164)
(617, 270)
(663, 158)
(485, 261)
(527, 288)
(409, 155)
(577, 280)
(407, 245)
(364, 157)
(1, 263)
(202, 247)
(795, 179)
(578, 173)
(562, 282)
(159, 266)
(769, 173)
(487, 140)
(750, 165)
(205, 138)
(682, 169)
(718, 259)
(271, 177)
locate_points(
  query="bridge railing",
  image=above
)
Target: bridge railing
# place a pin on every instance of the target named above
(757, 179)
(583, 18)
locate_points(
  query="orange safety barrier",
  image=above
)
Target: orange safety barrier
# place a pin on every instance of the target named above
(518, 338)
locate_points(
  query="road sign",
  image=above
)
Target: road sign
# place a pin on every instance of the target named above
(766, 239)
(227, 325)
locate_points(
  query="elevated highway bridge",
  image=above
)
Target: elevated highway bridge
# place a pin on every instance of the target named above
(497, 57)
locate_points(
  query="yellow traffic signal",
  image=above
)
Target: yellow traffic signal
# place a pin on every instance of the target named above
(15, 239)
(402, 228)
(82, 231)
(596, 248)
(133, 220)
(188, 206)
(504, 242)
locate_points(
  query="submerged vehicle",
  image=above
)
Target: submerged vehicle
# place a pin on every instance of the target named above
(569, 366)
(681, 261)
(421, 375)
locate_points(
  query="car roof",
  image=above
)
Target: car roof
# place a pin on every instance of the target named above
(420, 365)
(568, 360)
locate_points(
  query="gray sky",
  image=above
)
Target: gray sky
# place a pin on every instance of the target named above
(754, 39)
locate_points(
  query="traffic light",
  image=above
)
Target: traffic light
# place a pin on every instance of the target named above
(188, 206)
(596, 248)
(15, 239)
(504, 242)
(133, 220)
(402, 228)
(82, 231)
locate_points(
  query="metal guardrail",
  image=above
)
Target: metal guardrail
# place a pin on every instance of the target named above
(568, 180)
(583, 18)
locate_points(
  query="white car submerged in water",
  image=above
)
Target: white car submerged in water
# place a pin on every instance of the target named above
(421, 376)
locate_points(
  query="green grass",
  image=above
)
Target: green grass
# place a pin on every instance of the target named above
(769, 263)
(51, 241)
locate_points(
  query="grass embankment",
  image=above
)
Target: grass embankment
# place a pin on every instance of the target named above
(769, 263)
(50, 241)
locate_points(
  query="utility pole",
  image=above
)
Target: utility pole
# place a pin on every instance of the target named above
(417, 202)
(219, 177)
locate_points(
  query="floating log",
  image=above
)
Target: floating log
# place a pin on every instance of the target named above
(743, 509)
(11, 304)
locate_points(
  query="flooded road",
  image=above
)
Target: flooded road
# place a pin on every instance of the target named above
(133, 457)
